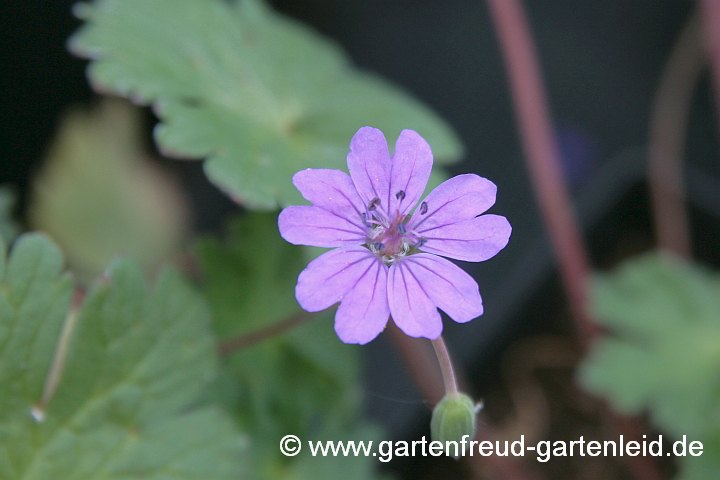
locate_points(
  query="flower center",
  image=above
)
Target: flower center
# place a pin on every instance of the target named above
(390, 238)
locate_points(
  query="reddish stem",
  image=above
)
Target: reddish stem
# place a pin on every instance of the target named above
(711, 19)
(248, 339)
(531, 108)
(542, 157)
(426, 374)
(667, 139)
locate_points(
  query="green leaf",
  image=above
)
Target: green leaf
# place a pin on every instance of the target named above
(289, 382)
(259, 95)
(127, 400)
(99, 195)
(663, 353)
(698, 468)
(9, 229)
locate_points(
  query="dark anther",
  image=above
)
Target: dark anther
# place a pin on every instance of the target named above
(400, 195)
(421, 242)
(400, 228)
(379, 246)
(373, 204)
(423, 208)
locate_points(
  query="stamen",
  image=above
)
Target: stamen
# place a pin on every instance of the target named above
(420, 242)
(379, 246)
(400, 228)
(400, 195)
(423, 208)
(373, 204)
(365, 220)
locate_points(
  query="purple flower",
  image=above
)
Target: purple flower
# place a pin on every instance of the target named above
(386, 261)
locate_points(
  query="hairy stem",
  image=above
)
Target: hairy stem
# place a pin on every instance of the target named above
(446, 367)
(424, 372)
(419, 360)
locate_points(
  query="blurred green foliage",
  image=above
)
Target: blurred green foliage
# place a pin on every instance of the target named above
(126, 382)
(303, 382)
(662, 355)
(137, 360)
(259, 95)
(98, 194)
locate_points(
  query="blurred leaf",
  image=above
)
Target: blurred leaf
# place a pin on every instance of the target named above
(9, 228)
(663, 356)
(98, 195)
(697, 468)
(126, 405)
(259, 95)
(291, 383)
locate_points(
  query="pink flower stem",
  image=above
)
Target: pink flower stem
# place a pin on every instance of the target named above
(667, 139)
(711, 17)
(446, 366)
(424, 371)
(420, 362)
(541, 154)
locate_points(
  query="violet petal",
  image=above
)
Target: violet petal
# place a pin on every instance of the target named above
(457, 199)
(332, 190)
(356, 278)
(327, 279)
(410, 306)
(368, 163)
(315, 226)
(364, 310)
(473, 240)
(409, 171)
(448, 286)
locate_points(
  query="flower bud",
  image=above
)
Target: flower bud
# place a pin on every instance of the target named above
(452, 419)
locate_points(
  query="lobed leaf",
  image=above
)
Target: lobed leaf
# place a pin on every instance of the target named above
(258, 95)
(127, 404)
(663, 352)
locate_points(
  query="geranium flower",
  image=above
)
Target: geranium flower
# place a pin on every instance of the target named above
(386, 259)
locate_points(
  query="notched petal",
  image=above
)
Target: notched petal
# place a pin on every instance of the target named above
(364, 311)
(410, 169)
(448, 286)
(329, 277)
(354, 277)
(332, 190)
(411, 308)
(473, 240)
(369, 163)
(460, 198)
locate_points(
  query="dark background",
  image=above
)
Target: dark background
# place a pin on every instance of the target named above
(601, 62)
